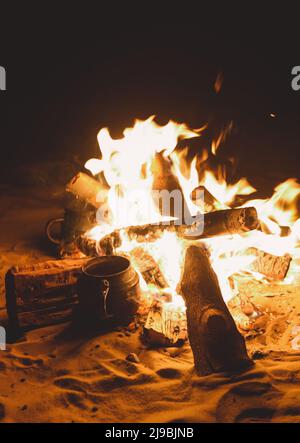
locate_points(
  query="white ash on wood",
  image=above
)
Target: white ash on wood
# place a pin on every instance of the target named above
(148, 267)
(272, 266)
(215, 341)
(165, 325)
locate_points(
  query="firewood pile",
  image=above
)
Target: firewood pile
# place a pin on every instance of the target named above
(46, 293)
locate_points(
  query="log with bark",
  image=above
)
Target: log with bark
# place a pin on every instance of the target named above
(272, 266)
(215, 341)
(165, 326)
(41, 294)
(225, 222)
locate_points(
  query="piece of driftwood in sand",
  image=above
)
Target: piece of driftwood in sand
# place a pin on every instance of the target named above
(216, 343)
(272, 266)
(225, 222)
(41, 294)
(165, 326)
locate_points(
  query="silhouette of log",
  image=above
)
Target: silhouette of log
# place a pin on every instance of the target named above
(216, 343)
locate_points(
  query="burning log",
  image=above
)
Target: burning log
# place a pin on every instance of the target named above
(148, 267)
(207, 202)
(88, 189)
(41, 294)
(216, 343)
(165, 326)
(165, 180)
(272, 266)
(225, 222)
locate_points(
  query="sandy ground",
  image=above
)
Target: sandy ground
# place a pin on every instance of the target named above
(52, 377)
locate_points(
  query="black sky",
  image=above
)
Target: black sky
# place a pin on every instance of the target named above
(72, 70)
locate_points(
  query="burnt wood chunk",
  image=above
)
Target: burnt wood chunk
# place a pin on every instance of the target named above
(165, 326)
(216, 343)
(148, 267)
(272, 266)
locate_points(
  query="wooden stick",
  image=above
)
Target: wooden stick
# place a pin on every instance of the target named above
(216, 343)
(87, 189)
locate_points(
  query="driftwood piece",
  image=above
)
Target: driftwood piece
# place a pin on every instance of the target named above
(41, 294)
(148, 267)
(165, 326)
(216, 343)
(272, 266)
(87, 189)
(225, 222)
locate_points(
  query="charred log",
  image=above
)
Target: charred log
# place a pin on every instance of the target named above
(216, 343)
(225, 222)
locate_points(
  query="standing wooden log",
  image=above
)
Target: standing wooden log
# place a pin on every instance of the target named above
(165, 180)
(216, 343)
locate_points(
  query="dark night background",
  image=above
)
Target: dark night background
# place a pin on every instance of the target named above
(73, 70)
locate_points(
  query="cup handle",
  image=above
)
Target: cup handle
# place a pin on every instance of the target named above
(48, 228)
(104, 294)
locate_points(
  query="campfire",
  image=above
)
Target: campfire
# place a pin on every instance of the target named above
(193, 238)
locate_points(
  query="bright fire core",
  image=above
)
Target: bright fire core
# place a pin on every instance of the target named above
(131, 167)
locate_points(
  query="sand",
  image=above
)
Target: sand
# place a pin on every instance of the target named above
(51, 376)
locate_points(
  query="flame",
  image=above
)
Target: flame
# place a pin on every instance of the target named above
(126, 165)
